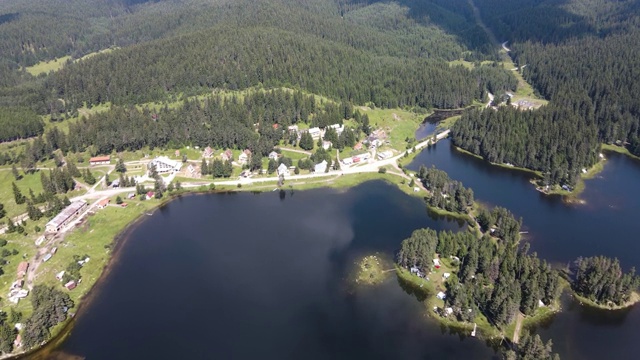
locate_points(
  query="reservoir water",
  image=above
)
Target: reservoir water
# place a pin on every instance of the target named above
(237, 276)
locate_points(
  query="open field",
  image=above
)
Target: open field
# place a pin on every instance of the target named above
(44, 67)
(399, 124)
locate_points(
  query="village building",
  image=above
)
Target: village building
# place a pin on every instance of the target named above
(177, 153)
(100, 160)
(115, 183)
(326, 145)
(338, 128)
(208, 152)
(273, 155)
(347, 161)
(103, 203)
(244, 157)
(227, 155)
(60, 275)
(293, 129)
(70, 285)
(315, 133)
(131, 195)
(150, 195)
(385, 154)
(441, 295)
(165, 165)
(283, 170)
(357, 146)
(322, 167)
(66, 216)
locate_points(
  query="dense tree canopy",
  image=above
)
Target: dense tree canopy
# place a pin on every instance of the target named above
(601, 279)
(19, 123)
(552, 140)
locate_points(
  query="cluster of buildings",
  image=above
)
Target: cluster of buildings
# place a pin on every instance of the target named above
(16, 292)
(315, 132)
(356, 159)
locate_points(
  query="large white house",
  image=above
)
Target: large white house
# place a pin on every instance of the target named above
(322, 167)
(283, 170)
(165, 165)
(315, 133)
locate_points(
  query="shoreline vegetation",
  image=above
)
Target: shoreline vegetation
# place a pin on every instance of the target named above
(570, 196)
(634, 299)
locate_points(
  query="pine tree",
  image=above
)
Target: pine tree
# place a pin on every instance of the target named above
(17, 195)
(33, 212)
(15, 172)
(120, 166)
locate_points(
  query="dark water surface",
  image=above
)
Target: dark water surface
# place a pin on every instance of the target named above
(608, 224)
(244, 276)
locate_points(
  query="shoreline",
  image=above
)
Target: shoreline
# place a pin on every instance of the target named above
(583, 301)
(571, 197)
(60, 332)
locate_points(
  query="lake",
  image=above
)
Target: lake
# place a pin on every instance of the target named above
(263, 275)
(244, 276)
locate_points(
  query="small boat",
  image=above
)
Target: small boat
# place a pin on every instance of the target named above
(473, 333)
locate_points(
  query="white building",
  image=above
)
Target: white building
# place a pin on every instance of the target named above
(315, 133)
(283, 170)
(273, 155)
(165, 165)
(322, 167)
(338, 128)
(347, 161)
(326, 145)
(385, 154)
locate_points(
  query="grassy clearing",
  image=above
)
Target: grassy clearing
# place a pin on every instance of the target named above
(371, 270)
(448, 122)
(399, 124)
(6, 195)
(620, 150)
(44, 67)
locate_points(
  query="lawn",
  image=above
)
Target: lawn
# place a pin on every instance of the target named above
(6, 195)
(397, 123)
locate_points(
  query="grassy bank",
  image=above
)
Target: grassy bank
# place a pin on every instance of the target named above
(619, 150)
(634, 298)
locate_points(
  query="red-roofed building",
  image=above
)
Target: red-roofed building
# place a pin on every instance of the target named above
(150, 195)
(100, 160)
(103, 203)
(22, 269)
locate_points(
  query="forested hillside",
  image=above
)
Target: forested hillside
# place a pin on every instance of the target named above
(553, 140)
(582, 55)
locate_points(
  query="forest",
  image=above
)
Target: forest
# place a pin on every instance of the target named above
(445, 193)
(388, 54)
(601, 279)
(495, 278)
(555, 141)
(582, 55)
(19, 123)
